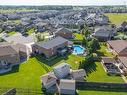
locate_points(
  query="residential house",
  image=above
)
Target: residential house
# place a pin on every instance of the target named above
(104, 33)
(55, 46)
(62, 70)
(123, 65)
(123, 26)
(49, 80)
(110, 65)
(118, 47)
(41, 26)
(78, 75)
(65, 33)
(8, 55)
(24, 43)
(67, 87)
(101, 20)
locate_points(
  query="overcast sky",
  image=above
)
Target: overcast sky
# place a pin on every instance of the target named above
(63, 2)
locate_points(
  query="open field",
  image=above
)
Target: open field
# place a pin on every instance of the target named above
(117, 18)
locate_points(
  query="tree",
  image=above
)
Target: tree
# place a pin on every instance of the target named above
(93, 45)
(89, 59)
(40, 37)
(84, 42)
(85, 31)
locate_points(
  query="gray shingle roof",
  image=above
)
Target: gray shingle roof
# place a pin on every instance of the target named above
(52, 43)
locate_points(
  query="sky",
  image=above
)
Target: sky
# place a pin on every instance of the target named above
(63, 2)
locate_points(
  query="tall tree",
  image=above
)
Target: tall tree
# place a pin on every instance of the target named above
(93, 45)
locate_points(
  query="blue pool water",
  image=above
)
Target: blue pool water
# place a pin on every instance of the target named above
(78, 49)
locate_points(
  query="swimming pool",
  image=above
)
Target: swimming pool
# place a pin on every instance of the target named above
(78, 49)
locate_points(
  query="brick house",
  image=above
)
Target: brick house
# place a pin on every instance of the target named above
(8, 55)
(52, 47)
(64, 32)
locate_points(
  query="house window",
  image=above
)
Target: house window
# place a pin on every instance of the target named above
(3, 62)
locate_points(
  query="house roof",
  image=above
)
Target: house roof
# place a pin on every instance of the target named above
(103, 31)
(7, 49)
(47, 78)
(78, 73)
(67, 84)
(123, 60)
(108, 60)
(18, 38)
(52, 43)
(118, 45)
(65, 30)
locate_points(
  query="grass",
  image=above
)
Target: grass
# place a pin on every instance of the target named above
(30, 31)
(11, 33)
(96, 73)
(27, 75)
(92, 92)
(117, 18)
(78, 36)
(103, 51)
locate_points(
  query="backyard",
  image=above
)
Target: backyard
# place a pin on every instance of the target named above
(27, 75)
(117, 18)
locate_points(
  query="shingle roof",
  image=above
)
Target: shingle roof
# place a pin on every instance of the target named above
(67, 84)
(78, 73)
(63, 30)
(7, 49)
(108, 60)
(52, 43)
(118, 45)
(123, 60)
(47, 78)
(103, 32)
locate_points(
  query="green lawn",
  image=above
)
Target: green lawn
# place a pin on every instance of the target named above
(30, 31)
(117, 18)
(104, 50)
(78, 36)
(92, 92)
(96, 73)
(27, 75)
(11, 33)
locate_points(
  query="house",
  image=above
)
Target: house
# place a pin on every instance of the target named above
(101, 20)
(62, 70)
(110, 65)
(48, 80)
(123, 65)
(41, 26)
(8, 55)
(118, 47)
(104, 33)
(64, 32)
(123, 26)
(67, 87)
(55, 46)
(78, 75)
(22, 42)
